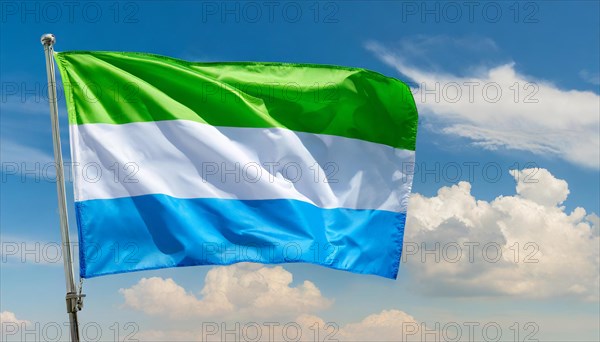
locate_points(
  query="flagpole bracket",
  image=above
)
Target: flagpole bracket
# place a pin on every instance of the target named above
(74, 302)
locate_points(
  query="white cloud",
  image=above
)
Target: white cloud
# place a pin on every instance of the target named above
(242, 289)
(18, 153)
(23, 161)
(593, 78)
(388, 325)
(244, 301)
(595, 222)
(543, 250)
(540, 186)
(169, 335)
(10, 317)
(487, 108)
(10, 324)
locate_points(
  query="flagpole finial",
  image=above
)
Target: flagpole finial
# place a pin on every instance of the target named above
(48, 39)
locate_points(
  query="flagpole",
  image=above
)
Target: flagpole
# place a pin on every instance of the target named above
(74, 300)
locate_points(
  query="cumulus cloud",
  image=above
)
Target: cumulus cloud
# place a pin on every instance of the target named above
(10, 324)
(242, 289)
(387, 325)
(10, 317)
(277, 310)
(252, 302)
(540, 186)
(170, 335)
(498, 107)
(523, 245)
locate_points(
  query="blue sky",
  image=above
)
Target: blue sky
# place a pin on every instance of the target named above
(552, 47)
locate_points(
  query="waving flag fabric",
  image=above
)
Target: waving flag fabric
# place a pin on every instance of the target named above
(180, 163)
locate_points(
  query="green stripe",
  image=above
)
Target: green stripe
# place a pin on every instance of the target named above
(118, 88)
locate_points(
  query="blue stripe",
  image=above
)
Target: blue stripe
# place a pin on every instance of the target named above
(157, 231)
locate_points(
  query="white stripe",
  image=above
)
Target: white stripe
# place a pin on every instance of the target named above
(187, 159)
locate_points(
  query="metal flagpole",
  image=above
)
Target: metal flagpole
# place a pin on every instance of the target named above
(74, 299)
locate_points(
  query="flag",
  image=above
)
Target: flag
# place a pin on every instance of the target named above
(179, 163)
